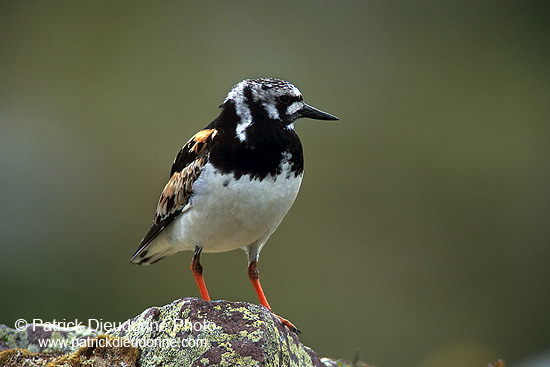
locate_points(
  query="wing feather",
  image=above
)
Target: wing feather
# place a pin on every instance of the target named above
(174, 199)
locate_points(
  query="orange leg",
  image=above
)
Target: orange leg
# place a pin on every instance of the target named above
(254, 276)
(196, 268)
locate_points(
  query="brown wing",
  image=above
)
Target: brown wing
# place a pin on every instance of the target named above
(196, 146)
(187, 167)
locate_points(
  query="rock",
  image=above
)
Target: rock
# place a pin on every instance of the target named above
(22, 357)
(194, 332)
(39, 346)
(103, 351)
(44, 338)
(187, 332)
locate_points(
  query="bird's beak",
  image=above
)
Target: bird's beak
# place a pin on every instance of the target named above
(313, 113)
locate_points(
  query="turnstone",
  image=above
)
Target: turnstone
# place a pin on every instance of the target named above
(233, 182)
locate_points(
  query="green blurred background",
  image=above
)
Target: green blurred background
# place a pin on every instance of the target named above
(421, 233)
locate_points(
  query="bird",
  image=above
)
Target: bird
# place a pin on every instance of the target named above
(233, 182)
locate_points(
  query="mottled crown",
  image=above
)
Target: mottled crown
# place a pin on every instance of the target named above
(263, 89)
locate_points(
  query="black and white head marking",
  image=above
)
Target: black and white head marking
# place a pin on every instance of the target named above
(266, 98)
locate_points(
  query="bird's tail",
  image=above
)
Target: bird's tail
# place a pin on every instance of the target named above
(152, 252)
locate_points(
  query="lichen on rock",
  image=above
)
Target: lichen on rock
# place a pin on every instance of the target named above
(206, 333)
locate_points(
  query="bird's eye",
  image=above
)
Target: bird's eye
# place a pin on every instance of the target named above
(284, 99)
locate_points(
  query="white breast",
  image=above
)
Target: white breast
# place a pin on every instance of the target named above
(227, 214)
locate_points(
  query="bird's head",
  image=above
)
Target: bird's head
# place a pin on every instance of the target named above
(271, 99)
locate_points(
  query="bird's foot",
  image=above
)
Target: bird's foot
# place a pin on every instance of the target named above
(288, 324)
